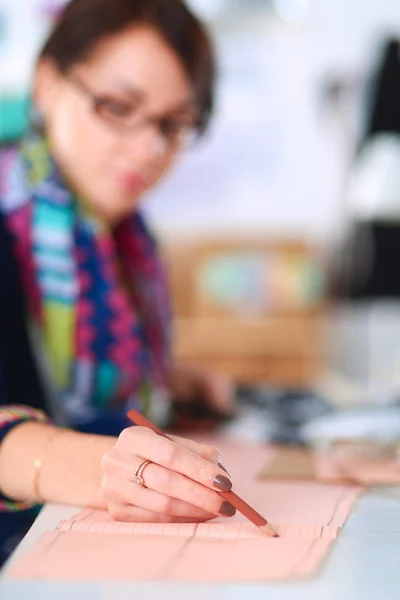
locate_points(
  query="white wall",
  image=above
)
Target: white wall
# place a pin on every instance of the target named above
(275, 162)
(25, 26)
(260, 169)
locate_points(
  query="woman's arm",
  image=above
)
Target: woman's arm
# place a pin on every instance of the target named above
(70, 470)
(182, 477)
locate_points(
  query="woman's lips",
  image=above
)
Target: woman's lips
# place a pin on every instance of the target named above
(131, 182)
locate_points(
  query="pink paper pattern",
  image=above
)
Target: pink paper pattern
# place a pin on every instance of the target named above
(307, 515)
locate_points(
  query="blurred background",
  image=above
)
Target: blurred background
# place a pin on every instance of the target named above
(282, 229)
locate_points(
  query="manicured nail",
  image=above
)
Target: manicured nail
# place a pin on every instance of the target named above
(221, 466)
(223, 483)
(227, 510)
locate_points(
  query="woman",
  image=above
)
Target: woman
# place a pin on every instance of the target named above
(121, 87)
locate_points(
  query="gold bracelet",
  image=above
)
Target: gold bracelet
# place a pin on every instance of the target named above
(37, 468)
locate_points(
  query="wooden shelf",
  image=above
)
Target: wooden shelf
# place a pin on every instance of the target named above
(282, 344)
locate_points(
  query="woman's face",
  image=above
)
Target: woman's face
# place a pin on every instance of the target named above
(116, 123)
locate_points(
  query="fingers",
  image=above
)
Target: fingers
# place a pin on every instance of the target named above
(210, 453)
(175, 457)
(216, 389)
(218, 393)
(175, 485)
(132, 514)
(166, 491)
(124, 493)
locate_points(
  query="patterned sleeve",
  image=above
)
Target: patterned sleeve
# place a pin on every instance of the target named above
(11, 416)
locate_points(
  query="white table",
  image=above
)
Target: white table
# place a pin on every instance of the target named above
(364, 565)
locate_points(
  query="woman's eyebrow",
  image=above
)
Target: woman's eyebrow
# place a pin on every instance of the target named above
(182, 107)
(130, 90)
(140, 95)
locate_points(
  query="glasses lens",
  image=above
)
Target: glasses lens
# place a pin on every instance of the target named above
(117, 113)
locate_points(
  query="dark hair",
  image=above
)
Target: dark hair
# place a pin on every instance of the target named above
(82, 24)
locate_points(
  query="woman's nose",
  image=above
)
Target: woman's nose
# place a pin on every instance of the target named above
(147, 143)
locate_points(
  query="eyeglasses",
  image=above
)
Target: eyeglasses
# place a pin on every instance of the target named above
(174, 134)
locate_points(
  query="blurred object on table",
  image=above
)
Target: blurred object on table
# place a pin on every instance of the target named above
(380, 424)
(363, 462)
(274, 415)
(303, 417)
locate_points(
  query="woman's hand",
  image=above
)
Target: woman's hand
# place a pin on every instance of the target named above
(181, 481)
(191, 382)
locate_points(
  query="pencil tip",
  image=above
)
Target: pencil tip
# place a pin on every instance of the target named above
(269, 530)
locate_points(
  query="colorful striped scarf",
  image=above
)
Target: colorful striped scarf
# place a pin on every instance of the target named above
(99, 296)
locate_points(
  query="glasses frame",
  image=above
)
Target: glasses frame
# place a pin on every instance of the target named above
(165, 146)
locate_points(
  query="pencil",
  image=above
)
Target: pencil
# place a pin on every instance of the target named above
(231, 497)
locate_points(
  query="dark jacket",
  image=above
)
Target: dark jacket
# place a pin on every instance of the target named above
(19, 376)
